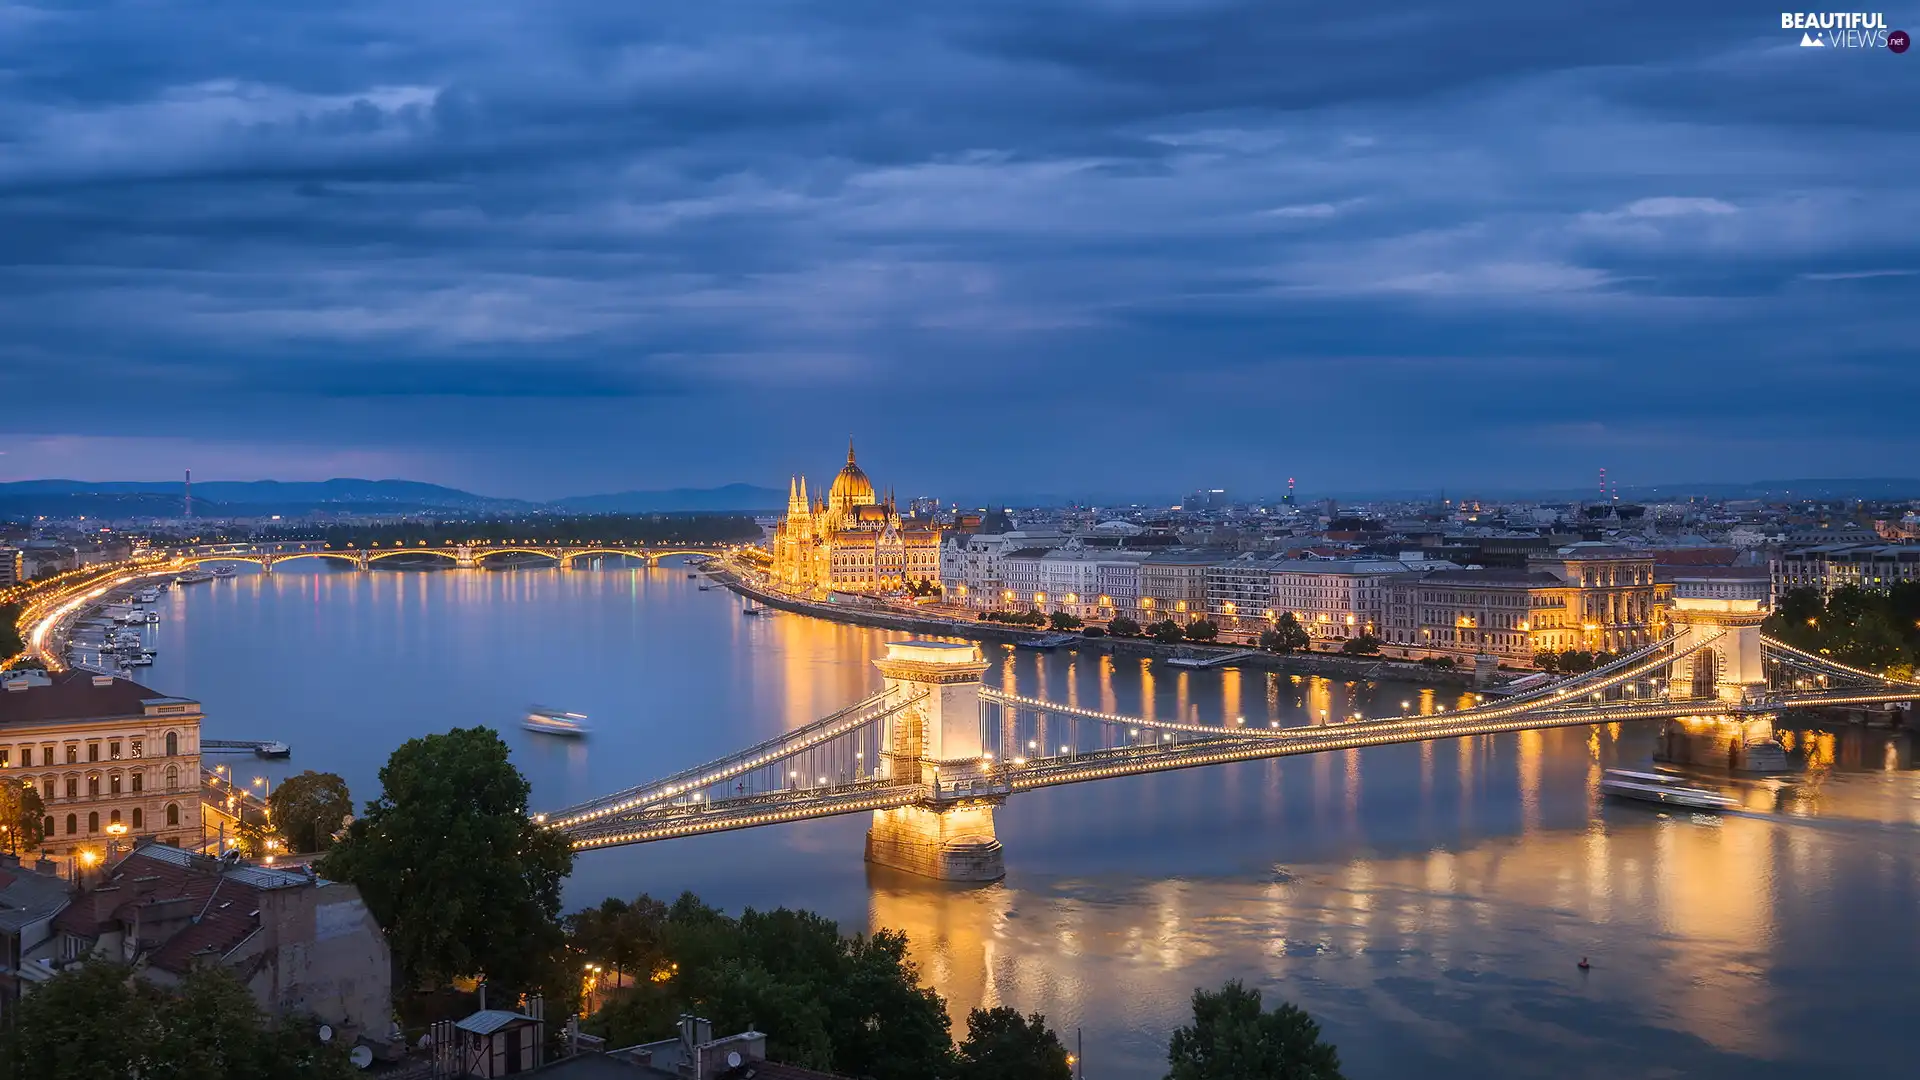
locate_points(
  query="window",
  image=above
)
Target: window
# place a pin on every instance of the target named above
(173, 814)
(173, 743)
(113, 784)
(93, 787)
(6, 757)
(73, 754)
(139, 819)
(73, 787)
(26, 755)
(139, 748)
(73, 824)
(93, 751)
(113, 818)
(93, 822)
(173, 778)
(113, 750)
(46, 827)
(137, 782)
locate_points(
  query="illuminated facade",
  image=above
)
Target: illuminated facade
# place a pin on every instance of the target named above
(853, 541)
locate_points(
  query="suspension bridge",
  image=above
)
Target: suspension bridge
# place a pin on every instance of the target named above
(933, 754)
(463, 556)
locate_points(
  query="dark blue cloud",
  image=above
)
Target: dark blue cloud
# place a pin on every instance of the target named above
(1051, 244)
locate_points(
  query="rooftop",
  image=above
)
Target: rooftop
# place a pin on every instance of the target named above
(79, 695)
(27, 897)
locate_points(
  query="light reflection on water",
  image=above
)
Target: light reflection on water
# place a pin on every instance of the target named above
(1426, 902)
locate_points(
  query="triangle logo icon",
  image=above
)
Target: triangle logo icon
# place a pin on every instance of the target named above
(1808, 41)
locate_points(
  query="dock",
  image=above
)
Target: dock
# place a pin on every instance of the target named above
(266, 748)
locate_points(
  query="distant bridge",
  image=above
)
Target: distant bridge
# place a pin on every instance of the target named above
(933, 754)
(464, 556)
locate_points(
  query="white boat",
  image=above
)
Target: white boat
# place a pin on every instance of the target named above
(554, 722)
(1663, 789)
(273, 749)
(141, 659)
(193, 577)
(223, 570)
(148, 596)
(151, 617)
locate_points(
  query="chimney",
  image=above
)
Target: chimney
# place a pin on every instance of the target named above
(103, 680)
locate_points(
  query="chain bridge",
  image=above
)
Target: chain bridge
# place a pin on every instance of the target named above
(933, 754)
(463, 556)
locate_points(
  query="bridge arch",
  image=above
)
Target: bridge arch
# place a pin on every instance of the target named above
(376, 554)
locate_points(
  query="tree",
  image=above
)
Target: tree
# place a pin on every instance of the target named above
(1167, 630)
(1003, 1045)
(1231, 1038)
(309, 808)
(22, 816)
(98, 1019)
(460, 878)
(1061, 620)
(10, 640)
(1287, 635)
(1364, 645)
(1121, 626)
(1547, 660)
(1202, 630)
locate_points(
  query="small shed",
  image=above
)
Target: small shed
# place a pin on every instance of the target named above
(492, 1043)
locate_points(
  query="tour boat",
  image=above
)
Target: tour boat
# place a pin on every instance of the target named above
(705, 588)
(193, 577)
(1663, 789)
(554, 722)
(148, 596)
(1045, 641)
(272, 749)
(151, 617)
(223, 570)
(141, 659)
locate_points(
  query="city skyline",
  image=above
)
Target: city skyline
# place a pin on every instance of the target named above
(1091, 247)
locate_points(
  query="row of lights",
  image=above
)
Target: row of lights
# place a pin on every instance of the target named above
(710, 824)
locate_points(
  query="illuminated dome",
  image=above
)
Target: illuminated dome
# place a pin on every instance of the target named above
(851, 488)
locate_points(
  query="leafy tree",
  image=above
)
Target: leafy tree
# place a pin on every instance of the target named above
(1122, 626)
(1364, 645)
(22, 816)
(1287, 635)
(11, 643)
(99, 1020)
(1061, 620)
(459, 877)
(309, 808)
(1202, 630)
(1167, 630)
(1003, 1045)
(1547, 660)
(1231, 1038)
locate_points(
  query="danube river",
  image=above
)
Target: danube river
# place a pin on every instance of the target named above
(1426, 903)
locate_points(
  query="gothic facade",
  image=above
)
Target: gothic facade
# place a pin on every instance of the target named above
(853, 541)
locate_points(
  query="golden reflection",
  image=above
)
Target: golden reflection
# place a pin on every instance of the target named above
(1530, 754)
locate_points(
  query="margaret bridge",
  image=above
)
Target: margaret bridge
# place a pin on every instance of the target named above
(934, 753)
(462, 555)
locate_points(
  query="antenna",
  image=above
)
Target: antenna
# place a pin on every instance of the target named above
(189, 498)
(1603, 483)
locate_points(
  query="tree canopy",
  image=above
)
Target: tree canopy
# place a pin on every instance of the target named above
(461, 879)
(1232, 1038)
(850, 1004)
(1202, 630)
(1287, 635)
(309, 808)
(22, 816)
(1879, 631)
(1003, 1045)
(99, 1020)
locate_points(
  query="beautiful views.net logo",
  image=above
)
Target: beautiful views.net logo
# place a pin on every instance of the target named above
(1844, 30)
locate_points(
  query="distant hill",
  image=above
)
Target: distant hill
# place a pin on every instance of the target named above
(744, 498)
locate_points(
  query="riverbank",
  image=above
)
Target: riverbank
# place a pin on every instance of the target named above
(1332, 667)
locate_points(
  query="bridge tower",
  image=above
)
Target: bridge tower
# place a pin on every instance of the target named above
(266, 563)
(463, 557)
(1730, 669)
(948, 834)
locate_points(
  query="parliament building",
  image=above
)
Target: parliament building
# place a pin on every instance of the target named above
(854, 541)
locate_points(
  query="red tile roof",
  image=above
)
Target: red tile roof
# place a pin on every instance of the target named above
(71, 695)
(144, 881)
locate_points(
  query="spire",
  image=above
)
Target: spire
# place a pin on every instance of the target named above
(849, 449)
(793, 494)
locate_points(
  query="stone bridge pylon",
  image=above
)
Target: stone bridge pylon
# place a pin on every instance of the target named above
(948, 833)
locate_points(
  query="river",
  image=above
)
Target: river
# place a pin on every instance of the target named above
(1426, 903)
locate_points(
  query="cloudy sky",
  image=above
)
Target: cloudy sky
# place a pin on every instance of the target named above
(550, 248)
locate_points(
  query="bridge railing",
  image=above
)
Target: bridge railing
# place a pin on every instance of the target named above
(760, 756)
(1783, 653)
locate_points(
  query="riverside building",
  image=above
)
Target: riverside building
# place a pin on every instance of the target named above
(113, 761)
(854, 541)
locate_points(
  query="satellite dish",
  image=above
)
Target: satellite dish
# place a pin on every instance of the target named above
(361, 1057)
(733, 1059)
(326, 1032)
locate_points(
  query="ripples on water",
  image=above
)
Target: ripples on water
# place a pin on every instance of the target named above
(1427, 903)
